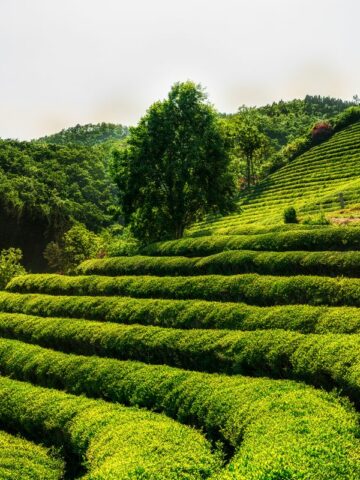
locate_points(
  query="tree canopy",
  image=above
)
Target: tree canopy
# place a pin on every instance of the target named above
(174, 168)
(87, 135)
(45, 188)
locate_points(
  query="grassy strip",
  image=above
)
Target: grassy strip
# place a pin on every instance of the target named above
(230, 263)
(333, 362)
(24, 460)
(279, 429)
(114, 442)
(253, 289)
(317, 239)
(186, 314)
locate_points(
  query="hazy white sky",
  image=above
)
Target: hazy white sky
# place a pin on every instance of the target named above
(64, 62)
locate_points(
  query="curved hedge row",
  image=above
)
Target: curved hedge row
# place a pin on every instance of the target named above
(186, 314)
(333, 362)
(318, 239)
(250, 288)
(205, 229)
(114, 442)
(24, 460)
(276, 353)
(230, 263)
(247, 413)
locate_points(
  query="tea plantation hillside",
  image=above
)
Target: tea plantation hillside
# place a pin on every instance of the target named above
(325, 178)
(230, 354)
(226, 357)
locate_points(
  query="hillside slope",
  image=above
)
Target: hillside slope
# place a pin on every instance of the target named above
(237, 344)
(313, 182)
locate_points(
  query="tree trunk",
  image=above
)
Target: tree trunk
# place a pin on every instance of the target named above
(179, 231)
(248, 171)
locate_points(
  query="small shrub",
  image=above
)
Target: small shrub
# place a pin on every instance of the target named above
(119, 241)
(10, 265)
(320, 132)
(78, 244)
(290, 215)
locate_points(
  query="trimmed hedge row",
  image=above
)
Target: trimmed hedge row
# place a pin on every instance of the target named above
(317, 239)
(114, 442)
(186, 314)
(230, 263)
(278, 428)
(253, 289)
(199, 230)
(24, 460)
(334, 359)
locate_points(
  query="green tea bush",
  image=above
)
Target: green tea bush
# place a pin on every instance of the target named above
(24, 460)
(139, 265)
(10, 265)
(187, 314)
(253, 289)
(333, 362)
(245, 229)
(273, 426)
(112, 441)
(290, 215)
(230, 263)
(320, 239)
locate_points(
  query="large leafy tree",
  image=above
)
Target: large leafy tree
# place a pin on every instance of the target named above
(175, 167)
(250, 146)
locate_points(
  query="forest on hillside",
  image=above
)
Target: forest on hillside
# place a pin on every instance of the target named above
(57, 181)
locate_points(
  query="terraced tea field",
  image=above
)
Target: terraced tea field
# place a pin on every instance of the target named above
(313, 182)
(231, 354)
(222, 357)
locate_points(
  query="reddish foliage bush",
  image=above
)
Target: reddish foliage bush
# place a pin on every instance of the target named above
(321, 131)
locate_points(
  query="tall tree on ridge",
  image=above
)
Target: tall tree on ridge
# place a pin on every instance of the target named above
(175, 168)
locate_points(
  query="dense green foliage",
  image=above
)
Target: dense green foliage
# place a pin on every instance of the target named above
(249, 146)
(202, 229)
(77, 245)
(87, 135)
(45, 188)
(10, 265)
(55, 183)
(250, 288)
(187, 314)
(174, 168)
(321, 239)
(248, 414)
(334, 360)
(286, 121)
(23, 460)
(114, 442)
(230, 263)
(290, 215)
